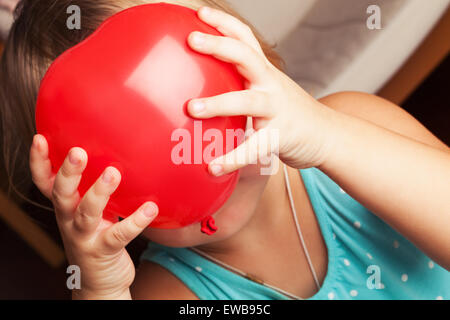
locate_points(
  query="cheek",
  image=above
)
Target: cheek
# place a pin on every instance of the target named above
(241, 206)
(267, 166)
(231, 218)
(251, 171)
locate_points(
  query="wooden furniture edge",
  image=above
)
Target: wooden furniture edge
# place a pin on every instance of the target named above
(433, 50)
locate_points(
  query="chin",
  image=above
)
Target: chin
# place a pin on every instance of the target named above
(230, 218)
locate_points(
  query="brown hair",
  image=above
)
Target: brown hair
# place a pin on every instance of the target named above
(39, 35)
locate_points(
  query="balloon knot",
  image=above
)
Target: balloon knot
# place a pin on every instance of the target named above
(208, 226)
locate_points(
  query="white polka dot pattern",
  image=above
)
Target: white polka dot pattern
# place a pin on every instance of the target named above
(396, 244)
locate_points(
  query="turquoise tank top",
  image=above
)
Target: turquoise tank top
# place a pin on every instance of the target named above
(367, 259)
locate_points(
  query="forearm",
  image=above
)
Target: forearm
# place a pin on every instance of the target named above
(404, 182)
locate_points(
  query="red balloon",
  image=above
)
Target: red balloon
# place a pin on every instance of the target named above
(121, 95)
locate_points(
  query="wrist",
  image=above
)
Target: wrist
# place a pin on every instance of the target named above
(327, 131)
(339, 127)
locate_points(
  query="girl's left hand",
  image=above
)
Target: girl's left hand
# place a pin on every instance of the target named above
(285, 117)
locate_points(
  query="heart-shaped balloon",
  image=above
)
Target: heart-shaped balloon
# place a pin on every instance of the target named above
(121, 95)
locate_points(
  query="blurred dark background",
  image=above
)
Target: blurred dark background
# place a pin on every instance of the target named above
(430, 103)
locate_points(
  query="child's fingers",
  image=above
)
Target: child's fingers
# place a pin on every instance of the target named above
(248, 102)
(40, 165)
(65, 194)
(116, 237)
(259, 145)
(229, 26)
(249, 63)
(89, 212)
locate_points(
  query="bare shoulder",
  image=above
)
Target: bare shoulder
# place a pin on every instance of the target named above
(154, 282)
(382, 113)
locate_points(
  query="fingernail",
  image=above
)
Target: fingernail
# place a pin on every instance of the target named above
(74, 159)
(150, 210)
(197, 106)
(216, 169)
(107, 176)
(198, 39)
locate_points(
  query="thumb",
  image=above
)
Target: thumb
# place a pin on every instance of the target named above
(119, 235)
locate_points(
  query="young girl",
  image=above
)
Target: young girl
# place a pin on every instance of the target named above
(361, 209)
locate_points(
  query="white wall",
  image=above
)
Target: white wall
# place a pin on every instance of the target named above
(273, 18)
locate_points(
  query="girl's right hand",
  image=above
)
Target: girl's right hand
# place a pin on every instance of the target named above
(94, 244)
